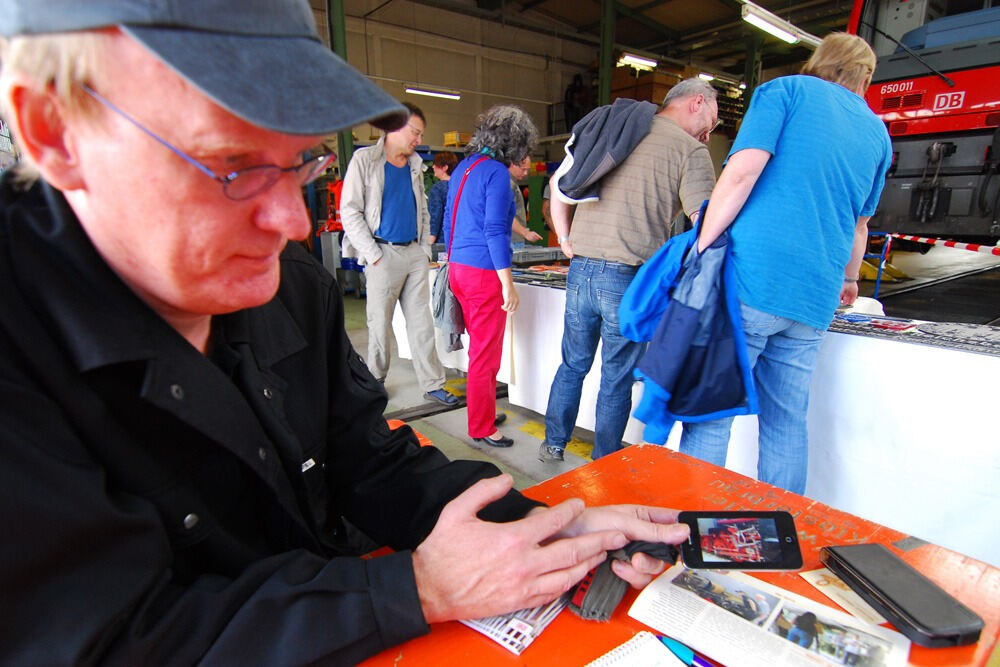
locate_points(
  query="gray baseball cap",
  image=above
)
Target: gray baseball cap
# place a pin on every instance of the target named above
(262, 60)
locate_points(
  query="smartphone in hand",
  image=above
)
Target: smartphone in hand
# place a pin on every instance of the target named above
(741, 541)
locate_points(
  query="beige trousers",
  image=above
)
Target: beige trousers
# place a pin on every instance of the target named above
(401, 276)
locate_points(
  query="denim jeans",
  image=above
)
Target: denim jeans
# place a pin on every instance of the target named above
(782, 353)
(594, 288)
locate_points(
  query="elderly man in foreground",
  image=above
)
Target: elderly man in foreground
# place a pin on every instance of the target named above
(187, 434)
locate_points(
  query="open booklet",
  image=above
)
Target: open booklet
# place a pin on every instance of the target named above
(740, 620)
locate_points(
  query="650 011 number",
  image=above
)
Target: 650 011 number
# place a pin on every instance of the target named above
(897, 87)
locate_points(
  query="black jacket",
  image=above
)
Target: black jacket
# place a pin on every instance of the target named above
(161, 507)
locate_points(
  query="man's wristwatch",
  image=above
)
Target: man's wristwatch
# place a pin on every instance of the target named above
(563, 239)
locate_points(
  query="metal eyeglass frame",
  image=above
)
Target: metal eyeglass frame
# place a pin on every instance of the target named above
(264, 175)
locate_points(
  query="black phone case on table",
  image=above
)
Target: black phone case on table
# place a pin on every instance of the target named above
(919, 608)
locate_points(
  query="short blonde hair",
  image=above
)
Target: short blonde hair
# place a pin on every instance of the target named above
(61, 61)
(843, 59)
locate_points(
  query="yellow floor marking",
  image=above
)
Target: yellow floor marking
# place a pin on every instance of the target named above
(576, 446)
(455, 386)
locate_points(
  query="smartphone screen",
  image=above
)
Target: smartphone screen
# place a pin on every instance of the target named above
(741, 541)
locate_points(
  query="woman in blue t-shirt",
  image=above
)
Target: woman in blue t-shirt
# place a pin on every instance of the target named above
(479, 254)
(802, 179)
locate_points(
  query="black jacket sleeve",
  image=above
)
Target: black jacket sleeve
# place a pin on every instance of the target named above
(97, 571)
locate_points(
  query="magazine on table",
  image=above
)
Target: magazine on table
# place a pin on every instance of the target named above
(515, 631)
(737, 619)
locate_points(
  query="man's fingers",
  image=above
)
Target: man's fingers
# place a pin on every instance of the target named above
(657, 514)
(542, 523)
(570, 551)
(554, 584)
(653, 524)
(478, 496)
(640, 570)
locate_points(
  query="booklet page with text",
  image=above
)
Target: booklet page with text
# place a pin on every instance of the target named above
(737, 619)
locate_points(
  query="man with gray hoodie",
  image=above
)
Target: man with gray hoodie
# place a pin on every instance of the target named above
(626, 198)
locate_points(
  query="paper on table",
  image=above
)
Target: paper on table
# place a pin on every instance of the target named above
(708, 610)
(643, 650)
(516, 631)
(830, 585)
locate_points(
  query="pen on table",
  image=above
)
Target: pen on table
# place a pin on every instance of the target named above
(683, 653)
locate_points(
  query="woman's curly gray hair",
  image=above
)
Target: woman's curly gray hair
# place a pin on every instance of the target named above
(508, 133)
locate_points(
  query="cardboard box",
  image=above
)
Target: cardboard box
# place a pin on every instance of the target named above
(456, 138)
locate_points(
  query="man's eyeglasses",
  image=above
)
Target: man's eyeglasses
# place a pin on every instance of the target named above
(417, 133)
(243, 183)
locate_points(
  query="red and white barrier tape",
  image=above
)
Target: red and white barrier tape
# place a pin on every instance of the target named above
(975, 247)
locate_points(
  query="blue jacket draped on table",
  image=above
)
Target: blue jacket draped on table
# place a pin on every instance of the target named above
(696, 367)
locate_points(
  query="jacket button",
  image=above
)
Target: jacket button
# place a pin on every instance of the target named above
(177, 392)
(262, 453)
(190, 521)
(268, 393)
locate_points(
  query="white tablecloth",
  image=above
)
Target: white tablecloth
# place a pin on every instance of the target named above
(900, 434)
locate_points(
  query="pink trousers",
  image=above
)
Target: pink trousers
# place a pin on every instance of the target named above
(481, 297)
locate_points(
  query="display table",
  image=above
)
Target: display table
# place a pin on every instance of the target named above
(654, 475)
(900, 433)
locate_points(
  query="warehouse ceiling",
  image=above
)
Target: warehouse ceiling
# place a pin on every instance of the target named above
(698, 32)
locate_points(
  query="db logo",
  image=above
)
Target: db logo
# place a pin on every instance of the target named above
(947, 101)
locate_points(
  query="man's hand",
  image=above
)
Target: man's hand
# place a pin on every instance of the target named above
(532, 236)
(566, 248)
(468, 568)
(849, 293)
(638, 522)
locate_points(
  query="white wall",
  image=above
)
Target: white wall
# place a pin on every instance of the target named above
(408, 42)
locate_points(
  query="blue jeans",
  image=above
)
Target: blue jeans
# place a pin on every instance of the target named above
(594, 288)
(782, 353)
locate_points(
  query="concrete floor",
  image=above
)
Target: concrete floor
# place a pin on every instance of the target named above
(448, 429)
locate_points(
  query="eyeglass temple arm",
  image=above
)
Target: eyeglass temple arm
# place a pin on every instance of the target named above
(187, 158)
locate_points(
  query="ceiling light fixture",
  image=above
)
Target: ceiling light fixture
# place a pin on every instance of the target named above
(705, 76)
(434, 92)
(776, 26)
(637, 62)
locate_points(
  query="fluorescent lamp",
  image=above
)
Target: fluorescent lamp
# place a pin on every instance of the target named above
(808, 39)
(776, 26)
(434, 92)
(637, 62)
(743, 85)
(705, 76)
(768, 22)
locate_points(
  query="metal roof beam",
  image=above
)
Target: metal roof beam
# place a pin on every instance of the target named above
(638, 17)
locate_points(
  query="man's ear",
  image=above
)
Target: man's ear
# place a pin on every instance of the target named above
(39, 120)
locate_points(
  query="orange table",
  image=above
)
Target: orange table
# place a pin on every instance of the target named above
(653, 475)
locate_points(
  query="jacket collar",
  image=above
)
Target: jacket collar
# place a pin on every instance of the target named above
(100, 320)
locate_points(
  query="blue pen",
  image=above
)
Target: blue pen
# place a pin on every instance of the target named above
(683, 653)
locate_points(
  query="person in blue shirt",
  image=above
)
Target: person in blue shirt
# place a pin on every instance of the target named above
(802, 179)
(387, 226)
(443, 166)
(479, 254)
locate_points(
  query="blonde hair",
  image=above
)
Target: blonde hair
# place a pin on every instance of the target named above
(843, 59)
(60, 61)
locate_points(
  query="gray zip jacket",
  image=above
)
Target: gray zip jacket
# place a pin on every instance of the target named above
(361, 203)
